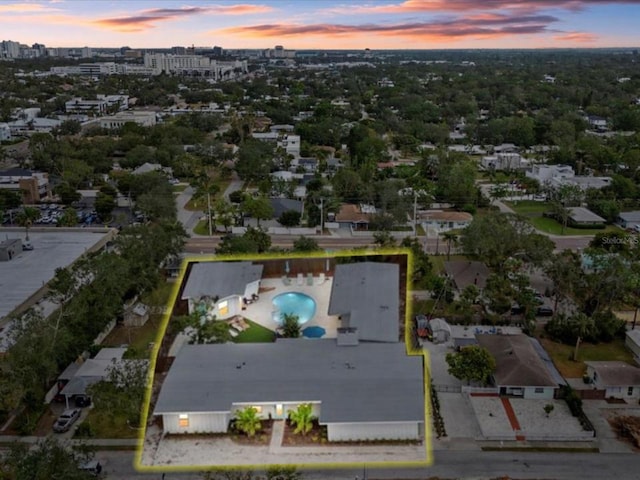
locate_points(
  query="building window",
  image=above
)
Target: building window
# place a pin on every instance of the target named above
(257, 408)
(630, 391)
(539, 390)
(223, 308)
(183, 420)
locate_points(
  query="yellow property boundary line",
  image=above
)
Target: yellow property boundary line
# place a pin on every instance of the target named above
(327, 465)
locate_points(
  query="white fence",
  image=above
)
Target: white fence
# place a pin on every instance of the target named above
(107, 330)
(484, 390)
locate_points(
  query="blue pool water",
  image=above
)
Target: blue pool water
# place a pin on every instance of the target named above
(294, 303)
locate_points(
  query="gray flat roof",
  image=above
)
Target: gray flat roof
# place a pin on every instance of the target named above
(22, 276)
(584, 215)
(633, 216)
(370, 293)
(371, 382)
(220, 279)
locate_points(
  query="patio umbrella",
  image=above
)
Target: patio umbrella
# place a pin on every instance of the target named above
(327, 265)
(286, 267)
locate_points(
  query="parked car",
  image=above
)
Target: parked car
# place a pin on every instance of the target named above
(27, 246)
(66, 420)
(93, 466)
(517, 310)
(544, 312)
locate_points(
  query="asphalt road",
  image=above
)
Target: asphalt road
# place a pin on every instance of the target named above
(448, 464)
(208, 244)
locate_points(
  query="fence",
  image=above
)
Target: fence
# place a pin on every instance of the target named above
(470, 390)
(107, 330)
(448, 388)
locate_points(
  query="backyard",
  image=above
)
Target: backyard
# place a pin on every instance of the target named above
(562, 355)
(255, 334)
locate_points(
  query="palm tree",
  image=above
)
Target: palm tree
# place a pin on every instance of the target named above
(290, 326)
(248, 421)
(583, 326)
(452, 239)
(302, 417)
(26, 217)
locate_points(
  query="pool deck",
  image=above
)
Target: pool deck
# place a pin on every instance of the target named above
(261, 311)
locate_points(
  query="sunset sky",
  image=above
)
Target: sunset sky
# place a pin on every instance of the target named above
(316, 24)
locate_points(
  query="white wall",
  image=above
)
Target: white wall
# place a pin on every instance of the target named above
(234, 304)
(198, 423)
(337, 432)
(622, 392)
(269, 408)
(530, 392)
(252, 289)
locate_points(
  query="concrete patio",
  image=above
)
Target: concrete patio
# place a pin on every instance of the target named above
(261, 311)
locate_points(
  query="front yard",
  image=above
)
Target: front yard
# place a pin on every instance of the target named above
(534, 212)
(562, 355)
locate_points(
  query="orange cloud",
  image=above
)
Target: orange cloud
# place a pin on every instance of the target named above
(25, 8)
(579, 37)
(478, 26)
(147, 19)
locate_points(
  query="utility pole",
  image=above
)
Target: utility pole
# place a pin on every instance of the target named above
(209, 209)
(321, 215)
(415, 213)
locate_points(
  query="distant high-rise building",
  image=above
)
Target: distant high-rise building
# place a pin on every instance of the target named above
(9, 49)
(86, 52)
(217, 51)
(178, 50)
(123, 50)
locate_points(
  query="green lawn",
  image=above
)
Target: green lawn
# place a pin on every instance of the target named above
(549, 225)
(179, 188)
(202, 228)
(107, 424)
(255, 334)
(562, 355)
(525, 207)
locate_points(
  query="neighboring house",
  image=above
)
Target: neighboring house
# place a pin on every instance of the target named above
(142, 118)
(617, 379)
(371, 391)
(442, 221)
(220, 288)
(584, 216)
(365, 296)
(520, 371)
(79, 376)
(281, 205)
(136, 315)
(9, 248)
(152, 167)
(308, 164)
(5, 132)
(597, 123)
(545, 173)
(629, 219)
(632, 341)
(356, 217)
(34, 186)
(464, 273)
(504, 161)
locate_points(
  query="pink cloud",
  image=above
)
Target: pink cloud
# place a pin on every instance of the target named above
(578, 37)
(147, 19)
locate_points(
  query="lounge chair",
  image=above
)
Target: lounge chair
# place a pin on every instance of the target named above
(310, 279)
(321, 279)
(286, 280)
(300, 280)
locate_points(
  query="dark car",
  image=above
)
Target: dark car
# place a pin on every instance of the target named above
(517, 310)
(68, 418)
(544, 312)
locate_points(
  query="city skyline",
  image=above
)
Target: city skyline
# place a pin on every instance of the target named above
(325, 24)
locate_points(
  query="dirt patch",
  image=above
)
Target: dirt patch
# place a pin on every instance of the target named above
(316, 436)
(627, 428)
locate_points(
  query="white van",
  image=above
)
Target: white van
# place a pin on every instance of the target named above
(94, 467)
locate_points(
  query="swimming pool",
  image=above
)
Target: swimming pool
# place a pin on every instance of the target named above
(294, 303)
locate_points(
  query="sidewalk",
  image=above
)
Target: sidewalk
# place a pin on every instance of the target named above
(96, 442)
